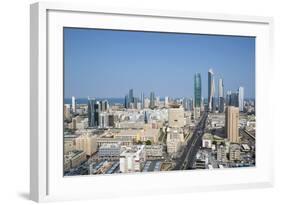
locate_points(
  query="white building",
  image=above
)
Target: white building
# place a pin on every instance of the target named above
(73, 104)
(166, 103)
(207, 141)
(241, 98)
(132, 159)
(103, 120)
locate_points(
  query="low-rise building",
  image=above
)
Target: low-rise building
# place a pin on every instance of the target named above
(132, 159)
(110, 139)
(109, 151)
(175, 140)
(234, 152)
(221, 153)
(207, 140)
(138, 135)
(154, 151)
(86, 142)
(74, 159)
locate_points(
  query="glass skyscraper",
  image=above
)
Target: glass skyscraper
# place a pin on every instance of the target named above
(211, 89)
(197, 90)
(152, 100)
(93, 112)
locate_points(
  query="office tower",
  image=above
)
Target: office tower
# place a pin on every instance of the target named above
(221, 104)
(157, 101)
(131, 96)
(94, 109)
(73, 104)
(145, 118)
(211, 89)
(126, 102)
(176, 117)
(152, 100)
(227, 98)
(166, 102)
(241, 98)
(190, 104)
(197, 90)
(111, 120)
(184, 103)
(103, 120)
(234, 99)
(221, 95)
(221, 88)
(104, 105)
(142, 100)
(135, 102)
(232, 123)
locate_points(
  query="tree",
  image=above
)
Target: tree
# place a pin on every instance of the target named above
(139, 142)
(148, 142)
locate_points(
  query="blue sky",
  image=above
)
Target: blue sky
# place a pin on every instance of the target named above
(106, 63)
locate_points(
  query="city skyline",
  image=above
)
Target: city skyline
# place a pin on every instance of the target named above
(146, 62)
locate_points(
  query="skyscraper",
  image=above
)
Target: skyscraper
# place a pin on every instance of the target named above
(197, 90)
(221, 95)
(227, 97)
(241, 98)
(234, 99)
(131, 96)
(166, 101)
(142, 100)
(104, 105)
(94, 109)
(231, 124)
(126, 102)
(145, 118)
(211, 89)
(152, 100)
(73, 104)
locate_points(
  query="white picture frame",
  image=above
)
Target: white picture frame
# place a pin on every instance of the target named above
(46, 179)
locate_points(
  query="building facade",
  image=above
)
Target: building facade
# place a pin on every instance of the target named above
(241, 98)
(176, 117)
(211, 89)
(232, 123)
(197, 90)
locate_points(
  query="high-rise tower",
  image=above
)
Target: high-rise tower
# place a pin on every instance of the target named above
(197, 90)
(231, 123)
(221, 95)
(241, 98)
(211, 89)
